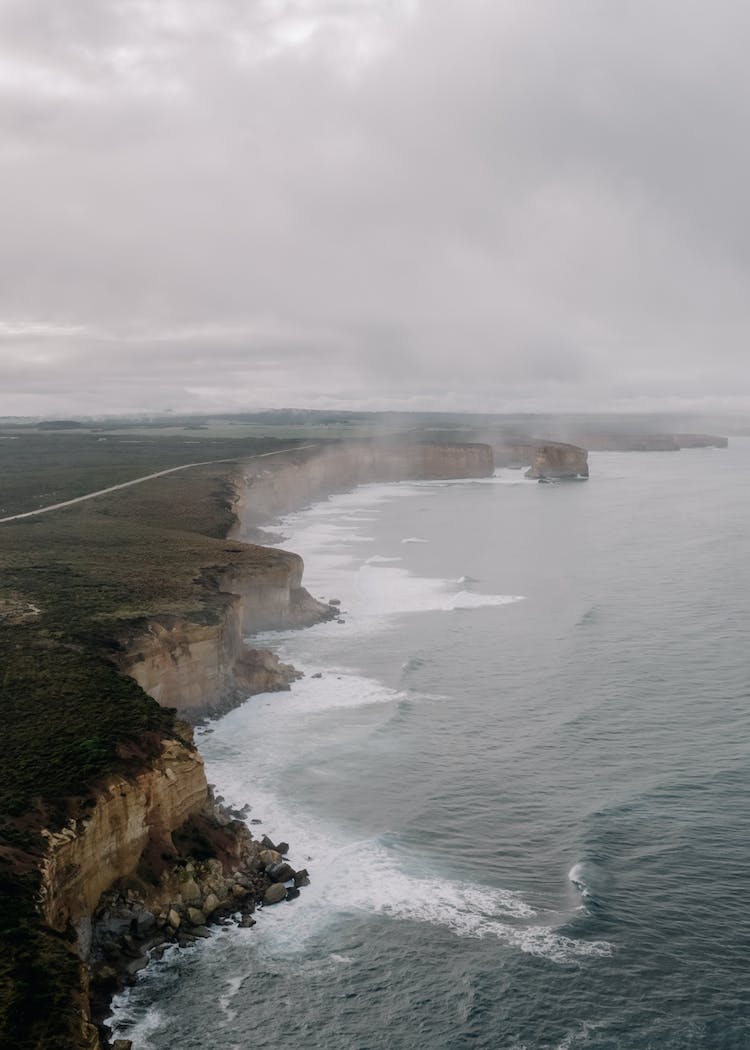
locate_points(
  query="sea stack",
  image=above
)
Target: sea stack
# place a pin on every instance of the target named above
(558, 460)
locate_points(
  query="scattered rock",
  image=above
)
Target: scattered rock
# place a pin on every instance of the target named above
(145, 914)
(122, 1044)
(280, 872)
(334, 601)
(318, 674)
(256, 821)
(191, 893)
(145, 922)
(269, 856)
(211, 903)
(275, 893)
(302, 877)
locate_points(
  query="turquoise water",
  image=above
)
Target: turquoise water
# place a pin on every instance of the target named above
(521, 785)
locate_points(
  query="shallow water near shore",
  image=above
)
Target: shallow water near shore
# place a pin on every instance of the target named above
(521, 785)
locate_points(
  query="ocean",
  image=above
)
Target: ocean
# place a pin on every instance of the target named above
(521, 783)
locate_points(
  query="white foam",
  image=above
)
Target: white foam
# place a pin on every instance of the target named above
(233, 986)
(382, 591)
(581, 1035)
(502, 476)
(335, 689)
(372, 589)
(127, 1023)
(350, 875)
(589, 879)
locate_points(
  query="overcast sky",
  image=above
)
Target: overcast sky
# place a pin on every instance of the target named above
(460, 204)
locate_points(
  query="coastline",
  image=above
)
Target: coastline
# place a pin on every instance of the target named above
(259, 498)
(194, 595)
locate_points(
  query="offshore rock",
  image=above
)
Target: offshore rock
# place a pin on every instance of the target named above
(558, 460)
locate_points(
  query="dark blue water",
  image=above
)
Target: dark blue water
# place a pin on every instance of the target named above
(527, 820)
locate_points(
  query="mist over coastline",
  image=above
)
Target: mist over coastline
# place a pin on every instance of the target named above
(374, 463)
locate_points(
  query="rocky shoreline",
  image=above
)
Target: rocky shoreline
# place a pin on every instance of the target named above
(141, 917)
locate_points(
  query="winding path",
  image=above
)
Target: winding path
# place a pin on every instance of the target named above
(148, 477)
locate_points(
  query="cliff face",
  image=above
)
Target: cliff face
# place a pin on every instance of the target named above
(557, 460)
(205, 668)
(264, 495)
(84, 859)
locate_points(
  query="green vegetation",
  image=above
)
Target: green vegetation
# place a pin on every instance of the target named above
(38, 973)
(42, 467)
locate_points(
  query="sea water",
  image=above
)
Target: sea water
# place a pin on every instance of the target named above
(521, 783)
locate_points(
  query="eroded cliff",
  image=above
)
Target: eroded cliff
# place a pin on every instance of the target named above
(304, 477)
(558, 460)
(130, 817)
(203, 668)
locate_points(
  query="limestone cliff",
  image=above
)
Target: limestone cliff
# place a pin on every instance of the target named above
(263, 495)
(203, 668)
(128, 817)
(557, 460)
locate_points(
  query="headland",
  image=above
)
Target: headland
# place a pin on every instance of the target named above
(123, 619)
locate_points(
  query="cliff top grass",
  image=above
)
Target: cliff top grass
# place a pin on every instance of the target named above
(41, 467)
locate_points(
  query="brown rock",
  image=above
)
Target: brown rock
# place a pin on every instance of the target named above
(211, 903)
(191, 893)
(555, 459)
(269, 856)
(275, 893)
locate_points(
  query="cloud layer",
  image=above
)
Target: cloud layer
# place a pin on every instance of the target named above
(492, 205)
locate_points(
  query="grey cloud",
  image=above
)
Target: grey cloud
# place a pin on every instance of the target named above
(470, 203)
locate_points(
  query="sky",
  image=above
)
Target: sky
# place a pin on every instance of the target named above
(490, 205)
